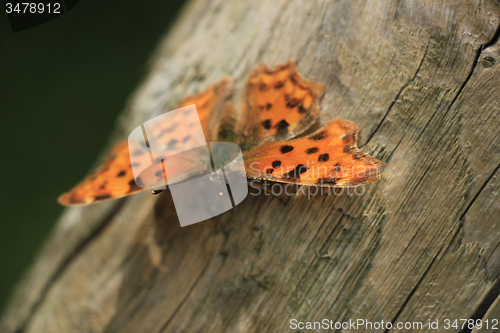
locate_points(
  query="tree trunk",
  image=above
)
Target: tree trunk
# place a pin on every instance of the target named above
(421, 80)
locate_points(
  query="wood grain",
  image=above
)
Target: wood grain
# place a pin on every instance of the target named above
(421, 80)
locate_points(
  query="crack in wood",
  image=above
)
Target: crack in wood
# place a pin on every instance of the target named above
(414, 289)
(494, 292)
(188, 294)
(397, 98)
(479, 192)
(485, 305)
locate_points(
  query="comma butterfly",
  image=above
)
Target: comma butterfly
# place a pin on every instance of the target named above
(278, 106)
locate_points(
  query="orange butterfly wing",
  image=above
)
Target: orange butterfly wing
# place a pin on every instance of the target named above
(115, 179)
(328, 157)
(279, 105)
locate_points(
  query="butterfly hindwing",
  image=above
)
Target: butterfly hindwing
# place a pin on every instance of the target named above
(278, 105)
(328, 157)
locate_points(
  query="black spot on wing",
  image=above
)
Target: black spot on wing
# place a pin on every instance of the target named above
(337, 168)
(121, 173)
(357, 154)
(323, 157)
(294, 174)
(286, 149)
(348, 149)
(139, 182)
(269, 171)
(281, 125)
(276, 164)
(312, 150)
(327, 181)
(350, 138)
(292, 103)
(133, 186)
(279, 85)
(166, 130)
(268, 106)
(267, 124)
(301, 109)
(172, 143)
(102, 197)
(319, 136)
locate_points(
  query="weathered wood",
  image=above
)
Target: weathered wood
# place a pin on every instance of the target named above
(419, 77)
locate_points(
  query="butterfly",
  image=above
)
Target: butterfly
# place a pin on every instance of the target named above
(278, 106)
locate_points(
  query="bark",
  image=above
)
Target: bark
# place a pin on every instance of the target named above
(421, 80)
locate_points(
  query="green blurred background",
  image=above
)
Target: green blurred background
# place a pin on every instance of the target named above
(62, 85)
